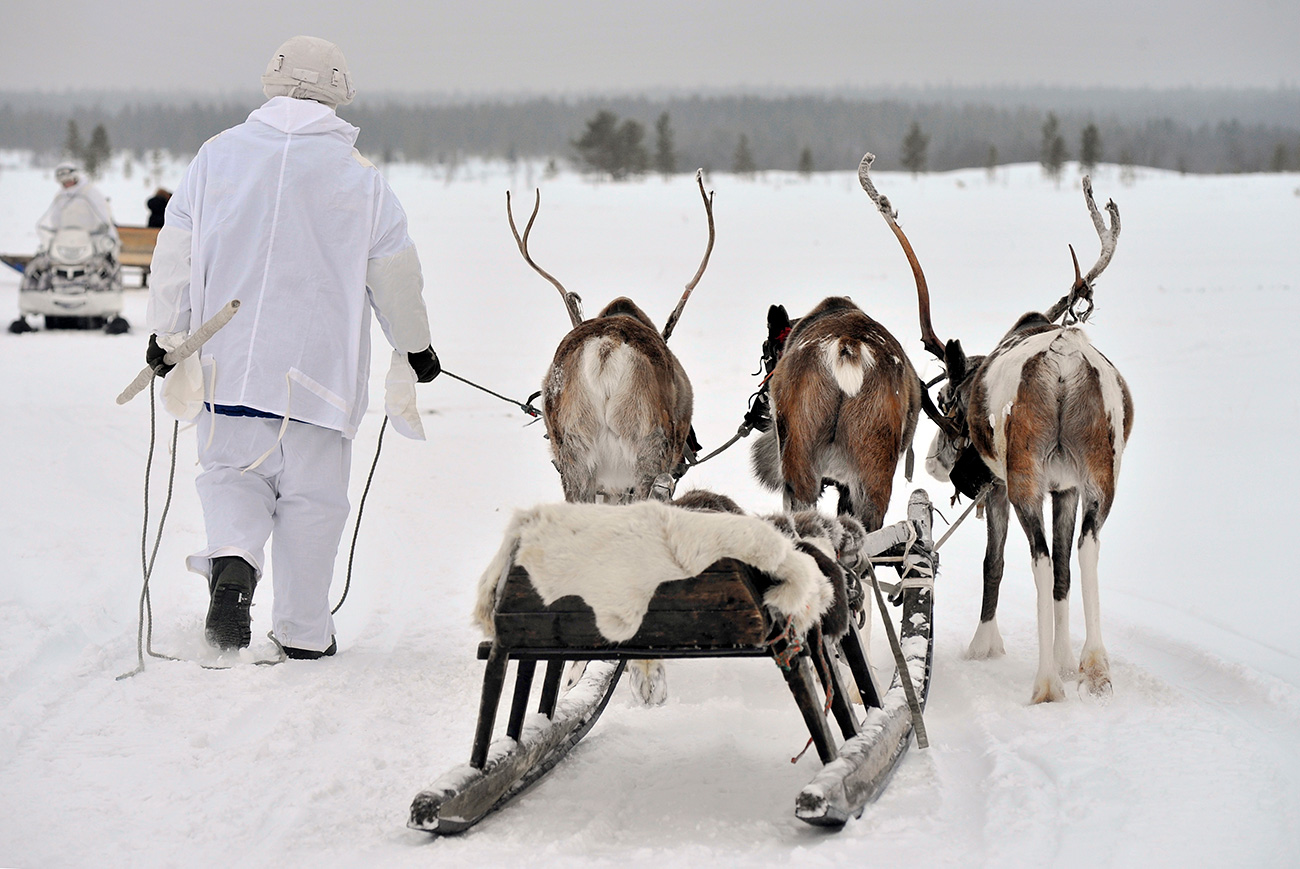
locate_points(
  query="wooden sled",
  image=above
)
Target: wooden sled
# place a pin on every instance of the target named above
(718, 613)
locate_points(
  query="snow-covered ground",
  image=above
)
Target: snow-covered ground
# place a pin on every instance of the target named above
(1195, 761)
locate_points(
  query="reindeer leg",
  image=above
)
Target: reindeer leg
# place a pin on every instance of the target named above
(1047, 682)
(866, 504)
(653, 468)
(1064, 507)
(577, 475)
(1094, 665)
(649, 682)
(988, 640)
(800, 469)
(794, 504)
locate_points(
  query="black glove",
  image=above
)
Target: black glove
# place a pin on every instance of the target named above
(426, 364)
(758, 417)
(153, 357)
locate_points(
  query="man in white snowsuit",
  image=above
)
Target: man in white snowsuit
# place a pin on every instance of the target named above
(89, 205)
(283, 214)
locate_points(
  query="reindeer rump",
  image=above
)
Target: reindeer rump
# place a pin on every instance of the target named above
(618, 405)
(845, 400)
(1050, 412)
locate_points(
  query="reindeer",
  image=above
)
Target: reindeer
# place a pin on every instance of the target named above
(845, 400)
(616, 402)
(617, 406)
(1046, 412)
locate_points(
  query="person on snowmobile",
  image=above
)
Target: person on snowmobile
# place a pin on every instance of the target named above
(283, 214)
(80, 203)
(75, 269)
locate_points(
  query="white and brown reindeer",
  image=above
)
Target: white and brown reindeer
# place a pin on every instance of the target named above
(1046, 413)
(617, 406)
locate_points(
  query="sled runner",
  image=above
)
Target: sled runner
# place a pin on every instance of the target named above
(718, 613)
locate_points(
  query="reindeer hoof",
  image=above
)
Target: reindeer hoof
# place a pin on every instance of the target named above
(987, 642)
(850, 684)
(649, 682)
(572, 673)
(1094, 669)
(1067, 671)
(1048, 690)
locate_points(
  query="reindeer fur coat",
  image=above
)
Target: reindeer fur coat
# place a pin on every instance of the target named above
(615, 556)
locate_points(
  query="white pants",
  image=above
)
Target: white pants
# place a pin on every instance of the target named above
(297, 497)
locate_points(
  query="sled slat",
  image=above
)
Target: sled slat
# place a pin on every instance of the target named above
(719, 609)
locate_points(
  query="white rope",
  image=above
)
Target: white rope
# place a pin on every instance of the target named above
(284, 425)
(918, 573)
(211, 386)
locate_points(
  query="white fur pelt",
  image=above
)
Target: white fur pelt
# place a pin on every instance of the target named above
(614, 557)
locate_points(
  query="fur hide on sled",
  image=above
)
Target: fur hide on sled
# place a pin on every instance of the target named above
(615, 556)
(835, 543)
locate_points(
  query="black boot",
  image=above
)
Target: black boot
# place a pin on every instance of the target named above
(231, 586)
(310, 654)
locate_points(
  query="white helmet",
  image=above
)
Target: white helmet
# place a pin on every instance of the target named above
(308, 68)
(66, 172)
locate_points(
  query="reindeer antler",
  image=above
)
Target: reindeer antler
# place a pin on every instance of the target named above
(572, 301)
(704, 263)
(929, 340)
(1082, 287)
(1108, 236)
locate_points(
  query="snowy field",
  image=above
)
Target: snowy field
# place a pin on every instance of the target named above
(1195, 761)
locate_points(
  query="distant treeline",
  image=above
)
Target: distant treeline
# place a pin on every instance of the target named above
(1189, 130)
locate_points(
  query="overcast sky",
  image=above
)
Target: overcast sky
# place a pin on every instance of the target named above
(584, 46)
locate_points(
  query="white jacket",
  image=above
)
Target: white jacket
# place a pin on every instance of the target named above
(80, 205)
(283, 214)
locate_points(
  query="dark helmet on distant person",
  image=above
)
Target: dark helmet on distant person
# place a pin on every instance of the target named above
(308, 68)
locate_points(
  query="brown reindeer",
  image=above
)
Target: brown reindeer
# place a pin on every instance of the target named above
(1044, 413)
(617, 406)
(617, 402)
(845, 400)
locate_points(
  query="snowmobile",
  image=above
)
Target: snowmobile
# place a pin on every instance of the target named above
(75, 282)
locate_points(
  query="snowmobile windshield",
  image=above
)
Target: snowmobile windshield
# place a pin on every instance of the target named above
(79, 213)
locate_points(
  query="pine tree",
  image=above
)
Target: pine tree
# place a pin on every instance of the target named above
(1053, 154)
(665, 156)
(806, 162)
(991, 162)
(742, 161)
(1281, 159)
(155, 167)
(914, 148)
(72, 145)
(1127, 175)
(1089, 149)
(611, 147)
(98, 152)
